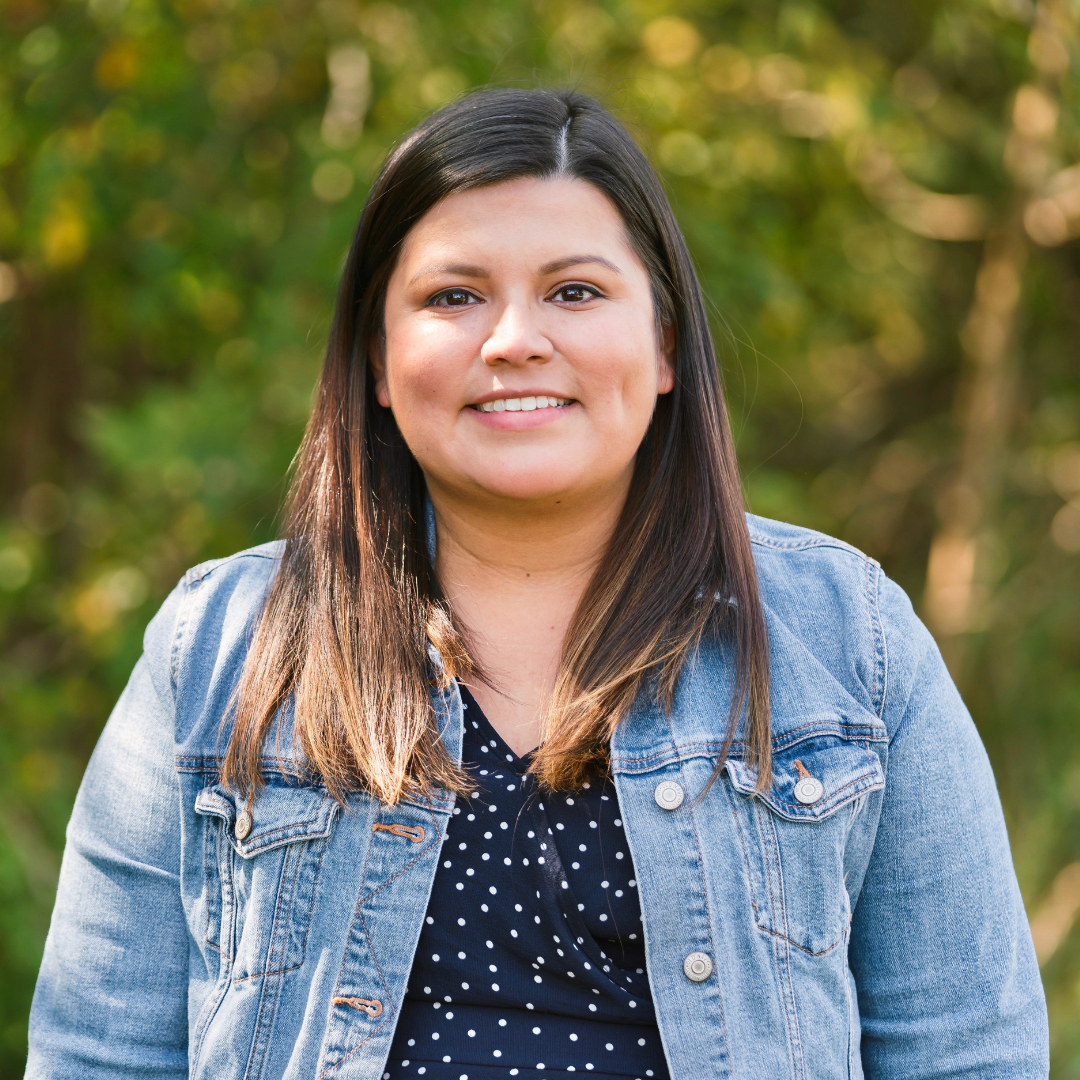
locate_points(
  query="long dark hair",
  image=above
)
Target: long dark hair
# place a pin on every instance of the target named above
(347, 622)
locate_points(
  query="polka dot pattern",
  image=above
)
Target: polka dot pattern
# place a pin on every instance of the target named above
(531, 958)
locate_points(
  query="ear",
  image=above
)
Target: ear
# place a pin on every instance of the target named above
(377, 363)
(665, 382)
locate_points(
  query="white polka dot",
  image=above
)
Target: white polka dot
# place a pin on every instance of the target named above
(460, 885)
(496, 1053)
(469, 872)
(495, 987)
(513, 933)
(536, 1031)
(592, 1008)
(573, 1038)
(431, 922)
(447, 864)
(492, 890)
(461, 956)
(582, 847)
(641, 1042)
(472, 1033)
(608, 1046)
(464, 986)
(502, 1023)
(461, 922)
(434, 1034)
(506, 860)
(575, 865)
(435, 957)
(492, 968)
(503, 825)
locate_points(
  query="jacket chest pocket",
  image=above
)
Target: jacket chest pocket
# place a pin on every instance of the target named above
(794, 836)
(261, 879)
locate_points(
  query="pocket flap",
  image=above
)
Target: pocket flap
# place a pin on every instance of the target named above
(282, 813)
(843, 769)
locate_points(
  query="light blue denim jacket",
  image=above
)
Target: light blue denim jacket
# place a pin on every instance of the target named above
(876, 931)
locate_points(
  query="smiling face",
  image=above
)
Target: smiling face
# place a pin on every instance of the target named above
(521, 358)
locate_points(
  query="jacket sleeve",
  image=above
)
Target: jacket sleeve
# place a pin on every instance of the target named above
(945, 970)
(111, 996)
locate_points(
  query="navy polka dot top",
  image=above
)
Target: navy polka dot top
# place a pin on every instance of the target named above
(531, 956)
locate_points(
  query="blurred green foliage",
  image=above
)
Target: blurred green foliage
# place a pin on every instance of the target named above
(880, 197)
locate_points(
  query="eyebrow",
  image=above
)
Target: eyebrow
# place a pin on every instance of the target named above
(459, 269)
(468, 270)
(577, 260)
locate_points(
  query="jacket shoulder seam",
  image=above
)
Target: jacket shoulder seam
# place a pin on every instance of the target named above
(199, 573)
(814, 541)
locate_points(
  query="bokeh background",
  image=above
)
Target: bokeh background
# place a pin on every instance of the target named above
(882, 199)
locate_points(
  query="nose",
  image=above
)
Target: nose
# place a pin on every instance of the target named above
(516, 338)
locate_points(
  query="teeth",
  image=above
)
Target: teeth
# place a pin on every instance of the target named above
(524, 404)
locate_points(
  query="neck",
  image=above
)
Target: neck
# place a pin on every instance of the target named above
(514, 575)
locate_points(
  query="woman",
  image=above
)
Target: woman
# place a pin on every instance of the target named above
(527, 750)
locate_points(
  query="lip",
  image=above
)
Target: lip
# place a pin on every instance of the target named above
(520, 421)
(497, 395)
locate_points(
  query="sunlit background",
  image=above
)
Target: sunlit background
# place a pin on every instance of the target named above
(882, 198)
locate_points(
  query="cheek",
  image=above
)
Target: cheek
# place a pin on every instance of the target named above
(618, 361)
(423, 369)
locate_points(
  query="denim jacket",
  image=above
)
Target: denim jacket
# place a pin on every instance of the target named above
(866, 924)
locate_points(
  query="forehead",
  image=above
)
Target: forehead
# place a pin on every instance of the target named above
(526, 217)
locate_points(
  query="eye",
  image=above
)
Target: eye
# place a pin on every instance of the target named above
(575, 294)
(453, 298)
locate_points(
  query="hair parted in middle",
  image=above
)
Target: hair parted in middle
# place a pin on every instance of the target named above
(345, 628)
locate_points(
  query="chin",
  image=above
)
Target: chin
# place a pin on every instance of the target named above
(532, 483)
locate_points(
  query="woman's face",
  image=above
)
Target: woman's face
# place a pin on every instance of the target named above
(521, 358)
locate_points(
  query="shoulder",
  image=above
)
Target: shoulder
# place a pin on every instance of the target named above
(196, 644)
(827, 600)
(810, 573)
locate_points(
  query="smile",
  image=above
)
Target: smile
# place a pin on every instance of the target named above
(523, 404)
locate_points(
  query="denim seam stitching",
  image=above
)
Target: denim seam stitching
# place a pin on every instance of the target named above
(809, 544)
(307, 926)
(880, 649)
(345, 1057)
(358, 914)
(787, 987)
(177, 641)
(708, 924)
(783, 742)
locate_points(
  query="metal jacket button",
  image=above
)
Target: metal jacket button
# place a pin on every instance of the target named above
(808, 789)
(697, 967)
(243, 825)
(669, 795)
